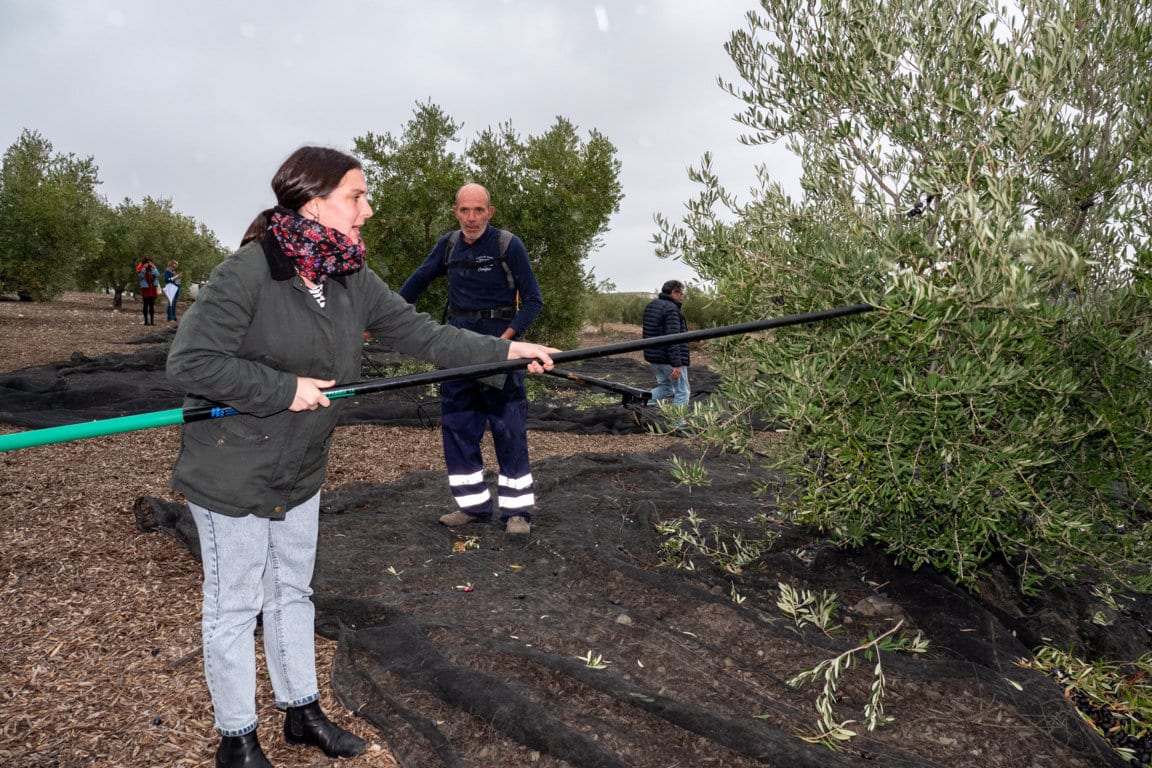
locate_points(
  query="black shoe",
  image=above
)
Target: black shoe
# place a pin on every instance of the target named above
(308, 725)
(241, 752)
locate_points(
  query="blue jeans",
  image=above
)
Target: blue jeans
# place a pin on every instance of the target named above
(253, 565)
(678, 390)
(172, 306)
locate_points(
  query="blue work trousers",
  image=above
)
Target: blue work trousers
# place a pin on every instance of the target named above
(468, 408)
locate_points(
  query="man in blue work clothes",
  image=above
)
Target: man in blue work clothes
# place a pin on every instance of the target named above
(491, 290)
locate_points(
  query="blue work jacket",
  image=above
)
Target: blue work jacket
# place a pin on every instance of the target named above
(478, 281)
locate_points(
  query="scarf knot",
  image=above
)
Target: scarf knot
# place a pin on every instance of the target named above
(316, 251)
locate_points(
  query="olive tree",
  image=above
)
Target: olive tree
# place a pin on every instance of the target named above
(412, 183)
(555, 191)
(981, 175)
(48, 217)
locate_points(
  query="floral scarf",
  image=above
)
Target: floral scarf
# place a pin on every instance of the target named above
(316, 250)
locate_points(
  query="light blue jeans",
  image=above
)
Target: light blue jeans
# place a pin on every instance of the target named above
(678, 390)
(253, 565)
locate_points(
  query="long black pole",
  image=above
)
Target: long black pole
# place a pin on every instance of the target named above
(603, 350)
(68, 432)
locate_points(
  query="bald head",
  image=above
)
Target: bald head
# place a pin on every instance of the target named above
(473, 191)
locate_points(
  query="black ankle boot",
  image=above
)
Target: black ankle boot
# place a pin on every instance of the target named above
(241, 752)
(308, 725)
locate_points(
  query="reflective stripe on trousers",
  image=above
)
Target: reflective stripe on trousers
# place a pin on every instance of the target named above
(468, 408)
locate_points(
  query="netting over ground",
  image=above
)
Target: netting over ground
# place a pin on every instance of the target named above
(585, 645)
(581, 645)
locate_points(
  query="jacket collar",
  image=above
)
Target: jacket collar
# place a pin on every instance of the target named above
(279, 265)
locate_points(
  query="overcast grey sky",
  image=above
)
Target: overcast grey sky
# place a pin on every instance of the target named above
(200, 102)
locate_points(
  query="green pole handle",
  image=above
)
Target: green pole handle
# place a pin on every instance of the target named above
(63, 434)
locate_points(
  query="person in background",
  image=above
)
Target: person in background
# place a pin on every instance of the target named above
(663, 317)
(491, 290)
(172, 288)
(149, 288)
(280, 321)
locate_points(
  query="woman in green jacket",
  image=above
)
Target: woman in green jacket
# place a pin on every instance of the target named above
(279, 321)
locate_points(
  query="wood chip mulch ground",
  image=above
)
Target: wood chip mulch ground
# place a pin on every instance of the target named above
(101, 656)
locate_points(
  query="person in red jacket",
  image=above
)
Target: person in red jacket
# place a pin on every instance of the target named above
(149, 288)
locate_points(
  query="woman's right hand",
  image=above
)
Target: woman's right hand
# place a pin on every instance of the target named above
(308, 394)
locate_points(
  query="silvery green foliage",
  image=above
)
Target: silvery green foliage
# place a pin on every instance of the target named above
(982, 175)
(49, 217)
(556, 191)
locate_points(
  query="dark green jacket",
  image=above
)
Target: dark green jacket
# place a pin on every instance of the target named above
(251, 331)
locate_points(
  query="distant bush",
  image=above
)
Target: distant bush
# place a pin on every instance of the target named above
(617, 308)
(700, 308)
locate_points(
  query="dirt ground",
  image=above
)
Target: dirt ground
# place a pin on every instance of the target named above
(584, 645)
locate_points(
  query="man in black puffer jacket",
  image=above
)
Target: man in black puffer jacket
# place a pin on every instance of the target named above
(663, 317)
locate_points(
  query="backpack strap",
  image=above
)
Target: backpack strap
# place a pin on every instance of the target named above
(505, 240)
(451, 246)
